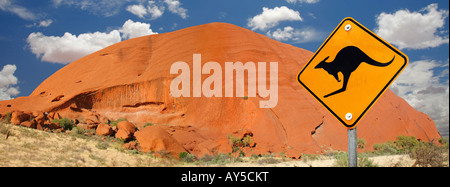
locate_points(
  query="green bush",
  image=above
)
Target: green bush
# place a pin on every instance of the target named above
(64, 123)
(341, 159)
(148, 124)
(363, 160)
(237, 143)
(401, 145)
(406, 143)
(386, 148)
(187, 157)
(444, 142)
(247, 141)
(361, 143)
(428, 154)
(114, 123)
(77, 131)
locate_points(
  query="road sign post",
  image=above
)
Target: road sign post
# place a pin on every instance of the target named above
(352, 148)
(349, 73)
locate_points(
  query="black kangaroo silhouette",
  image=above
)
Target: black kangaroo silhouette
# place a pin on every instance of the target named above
(347, 61)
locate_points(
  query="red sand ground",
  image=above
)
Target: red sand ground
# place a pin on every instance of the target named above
(131, 79)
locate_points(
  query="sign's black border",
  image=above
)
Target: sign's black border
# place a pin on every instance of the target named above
(379, 94)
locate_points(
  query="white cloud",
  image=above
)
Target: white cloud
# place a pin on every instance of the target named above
(420, 85)
(282, 35)
(414, 30)
(153, 10)
(105, 8)
(138, 10)
(67, 48)
(131, 29)
(56, 2)
(303, 1)
(44, 23)
(7, 80)
(174, 6)
(271, 17)
(22, 12)
(296, 35)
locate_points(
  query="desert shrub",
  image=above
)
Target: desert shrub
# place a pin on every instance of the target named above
(406, 143)
(254, 157)
(444, 142)
(247, 141)
(64, 123)
(164, 154)
(207, 158)
(114, 123)
(363, 160)
(77, 131)
(220, 159)
(401, 145)
(187, 157)
(385, 148)
(361, 143)
(148, 124)
(7, 118)
(102, 145)
(237, 143)
(241, 153)
(428, 154)
(4, 129)
(308, 157)
(341, 159)
(268, 159)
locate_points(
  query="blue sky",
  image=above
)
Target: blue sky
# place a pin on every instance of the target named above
(39, 37)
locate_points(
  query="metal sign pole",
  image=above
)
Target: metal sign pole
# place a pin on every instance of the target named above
(352, 149)
(348, 46)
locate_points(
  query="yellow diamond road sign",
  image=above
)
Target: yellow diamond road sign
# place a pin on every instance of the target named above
(351, 70)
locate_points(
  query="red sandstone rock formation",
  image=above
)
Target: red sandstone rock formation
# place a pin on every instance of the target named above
(156, 139)
(104, 130)
(131, 79)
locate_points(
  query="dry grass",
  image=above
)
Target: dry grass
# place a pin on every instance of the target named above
(327, 161)
(27, 147)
